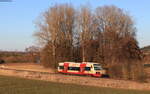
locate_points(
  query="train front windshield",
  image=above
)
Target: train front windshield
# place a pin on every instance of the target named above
(97, 67)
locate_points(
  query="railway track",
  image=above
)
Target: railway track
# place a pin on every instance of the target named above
(38, 72)
(29, 71)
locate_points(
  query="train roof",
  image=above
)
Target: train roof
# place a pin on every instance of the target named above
(80, 63)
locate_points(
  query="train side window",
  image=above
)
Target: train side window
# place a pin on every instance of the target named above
(61, 67)
(87, 68)
(74, 68)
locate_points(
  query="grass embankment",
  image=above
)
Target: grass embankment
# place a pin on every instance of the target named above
(12, 85)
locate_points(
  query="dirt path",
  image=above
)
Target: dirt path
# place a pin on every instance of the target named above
(81, 80)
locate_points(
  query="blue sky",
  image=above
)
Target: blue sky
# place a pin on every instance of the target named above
(17, 19)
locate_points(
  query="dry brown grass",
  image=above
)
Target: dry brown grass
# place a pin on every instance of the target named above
(90, 81)
(27, 66)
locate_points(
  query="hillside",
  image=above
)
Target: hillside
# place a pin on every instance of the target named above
(146, 48)
(17, 57)
(146, 52)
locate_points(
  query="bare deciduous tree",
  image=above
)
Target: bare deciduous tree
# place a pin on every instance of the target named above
(106, 35)
(118, 45)
(56, 32)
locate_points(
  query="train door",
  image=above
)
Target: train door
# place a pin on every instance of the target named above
(66, 65)
(82, 68)
(92, 69)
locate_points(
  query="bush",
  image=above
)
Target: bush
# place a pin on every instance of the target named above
(47, 58)
(115, 71)
(128, 71)
(2, 61)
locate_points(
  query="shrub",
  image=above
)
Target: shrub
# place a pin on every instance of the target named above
(128, 71)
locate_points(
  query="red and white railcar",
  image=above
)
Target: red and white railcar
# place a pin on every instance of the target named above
(84, 68)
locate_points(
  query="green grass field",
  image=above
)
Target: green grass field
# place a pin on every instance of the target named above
(12, 85)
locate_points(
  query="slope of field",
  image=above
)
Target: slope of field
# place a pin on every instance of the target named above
(39, 73)
(13, 85)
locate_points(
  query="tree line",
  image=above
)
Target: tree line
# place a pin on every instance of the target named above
(106, 35)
